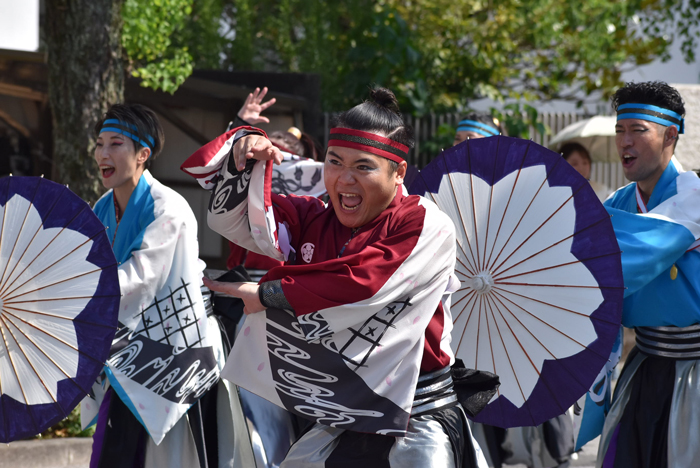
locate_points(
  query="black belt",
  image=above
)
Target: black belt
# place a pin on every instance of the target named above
(670, 342)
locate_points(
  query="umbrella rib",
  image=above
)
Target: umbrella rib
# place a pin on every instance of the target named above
(577, 286)
(54, 337)
(488, 218)
(550, 326)
(41, 225)
(458, 243)
(478, 335)
(522, 216)
(571, 198)
(536, 339)
(49, 358)
(53, 284)
(510, 362)
(494, 298)
(465, 307)
(26, 358)
(471, 188)
(64, 298)
(554, 244)
(7, 293)
(552, 305)
(510, 197)
(21, 228)
(75, 319)
(555, 266)
(461, 218)
(463, 297)
(14, 369)
(5, 286)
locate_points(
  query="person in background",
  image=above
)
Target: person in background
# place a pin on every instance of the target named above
(477, 125)
(580, 159)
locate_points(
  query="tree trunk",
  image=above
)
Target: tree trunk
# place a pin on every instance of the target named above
(86, 76)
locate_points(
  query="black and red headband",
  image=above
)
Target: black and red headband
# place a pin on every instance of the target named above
(368, 142)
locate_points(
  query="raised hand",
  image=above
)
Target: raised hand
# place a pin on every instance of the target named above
(253, 106)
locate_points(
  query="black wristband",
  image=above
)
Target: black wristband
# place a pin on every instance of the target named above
(272, 296)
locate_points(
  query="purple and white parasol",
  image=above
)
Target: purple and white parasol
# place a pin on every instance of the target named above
(59, 301)
(541, 295)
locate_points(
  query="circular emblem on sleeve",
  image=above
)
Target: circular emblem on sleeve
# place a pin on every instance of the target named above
(307, 251)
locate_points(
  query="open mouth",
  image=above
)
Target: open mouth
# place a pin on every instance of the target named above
(628, 160)
(107, 171)
(350, 201)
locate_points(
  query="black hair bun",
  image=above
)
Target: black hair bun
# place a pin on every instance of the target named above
(385, 98)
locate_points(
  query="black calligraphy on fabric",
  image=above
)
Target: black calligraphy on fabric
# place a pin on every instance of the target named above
(315, 380)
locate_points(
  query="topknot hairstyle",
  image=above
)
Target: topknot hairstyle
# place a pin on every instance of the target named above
(379, 114)
(145, 121)
(656, 93)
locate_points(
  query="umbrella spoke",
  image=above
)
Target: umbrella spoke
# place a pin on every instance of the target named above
(459, 244)
(65, 298)
(574, 377)
(19, 383)
(45, 314)
(41, 330)
(579, 286)
(524, 349)
(522, 216)
(510, 362)
(44, 270)
(9, 299)
(8, 284)
(510, 197)
(583, 346)
(561, 265)
(26, 358)
(21, 228)
(463, 298)
(488, 217)
(469, 317)
(58, 366)
(552, 305)
(570, 199)
(464, 226)
(38, 230)
(554, 244)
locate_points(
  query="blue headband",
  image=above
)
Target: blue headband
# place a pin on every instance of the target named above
(117, 126)
(651, 113)
(477, 127)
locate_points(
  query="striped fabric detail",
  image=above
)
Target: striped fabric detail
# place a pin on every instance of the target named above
(651, 113)
(670, 342)
(369, 142)
(477, 127)
(434, 392)
(128, 130)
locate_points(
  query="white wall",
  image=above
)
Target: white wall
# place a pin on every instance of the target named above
(19, 24)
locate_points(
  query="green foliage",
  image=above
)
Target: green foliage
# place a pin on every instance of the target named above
(438, 54)
(442, 139)
(165, 39)
(517, 120)
(69, 427)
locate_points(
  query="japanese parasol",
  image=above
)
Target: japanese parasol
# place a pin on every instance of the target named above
(59, 301)
(541, 281)
(596, 134)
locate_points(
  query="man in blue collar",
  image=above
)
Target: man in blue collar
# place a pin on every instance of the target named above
(654, 420)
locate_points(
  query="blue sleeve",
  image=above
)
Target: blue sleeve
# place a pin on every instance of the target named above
(649, 246)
